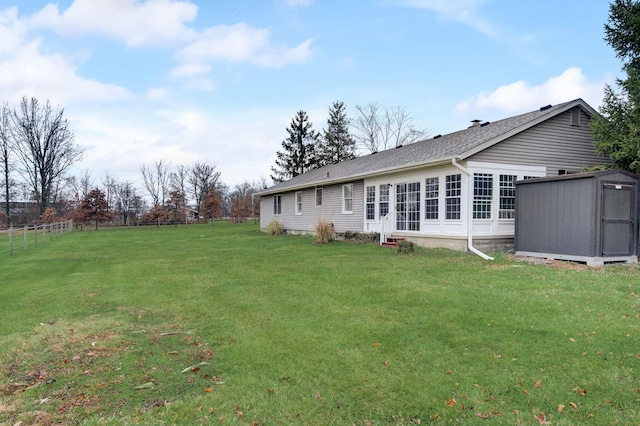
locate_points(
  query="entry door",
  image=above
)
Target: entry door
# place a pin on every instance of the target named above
(619, 216)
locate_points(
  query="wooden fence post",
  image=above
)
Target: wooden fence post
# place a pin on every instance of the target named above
(10, 241)
(35, 234)
(26, 229)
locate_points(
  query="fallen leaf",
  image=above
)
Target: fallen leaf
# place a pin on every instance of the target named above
(191, 367)
(237, 411)
(537, 384)
(560, 408)
(376, 344)
(573, 405)
(208, 389)
(386, 364)
(451, 402)
(542, 419)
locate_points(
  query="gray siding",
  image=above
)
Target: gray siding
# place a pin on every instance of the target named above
(554, 143)
(330, 210)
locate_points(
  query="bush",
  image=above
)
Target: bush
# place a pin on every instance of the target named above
(324, 232)
(274, 228)
(406, 247)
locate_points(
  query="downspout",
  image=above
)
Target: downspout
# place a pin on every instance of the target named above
(470, 212)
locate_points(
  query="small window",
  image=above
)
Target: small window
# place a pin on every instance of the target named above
(370, 202)
(277, 204)
(299, 202)
(452, 196)
(347, 198)
(318, 196)
(431, 198)
(384, 200)
(575, 117)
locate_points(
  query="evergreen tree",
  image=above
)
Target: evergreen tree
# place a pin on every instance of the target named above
(299, 149)
(617, 130)
(337, 143)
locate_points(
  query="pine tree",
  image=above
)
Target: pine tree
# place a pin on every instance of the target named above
(617, 130)
(299, 149)
(337, 143)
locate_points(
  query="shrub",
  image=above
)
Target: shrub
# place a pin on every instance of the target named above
(406, 247)
(274, 228)
(324, 232)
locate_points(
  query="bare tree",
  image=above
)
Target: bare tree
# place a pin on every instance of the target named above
(45, 146)
(178, 180)
(203, 178)
(5, 151)
(377, 129)
(156, 181)
(125, 201)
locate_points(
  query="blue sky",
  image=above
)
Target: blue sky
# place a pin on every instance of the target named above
(220, 80)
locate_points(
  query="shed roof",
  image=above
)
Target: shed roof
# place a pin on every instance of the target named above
(438, 150)
(585, 175)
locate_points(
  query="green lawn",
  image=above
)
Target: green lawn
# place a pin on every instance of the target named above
(207, 324)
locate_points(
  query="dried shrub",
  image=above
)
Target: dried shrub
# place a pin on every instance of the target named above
(406, 247)
(274, 228)
(324, 232)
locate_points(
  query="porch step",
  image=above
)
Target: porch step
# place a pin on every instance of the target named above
(392, 241)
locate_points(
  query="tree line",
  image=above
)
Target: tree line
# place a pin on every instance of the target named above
(37, 149)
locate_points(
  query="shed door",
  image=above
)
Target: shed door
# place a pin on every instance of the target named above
(619, 215)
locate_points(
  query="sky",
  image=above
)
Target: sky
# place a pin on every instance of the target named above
(219, 81)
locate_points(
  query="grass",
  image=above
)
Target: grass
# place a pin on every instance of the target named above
(202, 324)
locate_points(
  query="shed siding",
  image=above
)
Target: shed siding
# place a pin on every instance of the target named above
(554, 143)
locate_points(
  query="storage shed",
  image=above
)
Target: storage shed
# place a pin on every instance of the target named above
(585, 217)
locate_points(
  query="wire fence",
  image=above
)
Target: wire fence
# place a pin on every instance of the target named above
(17, 239)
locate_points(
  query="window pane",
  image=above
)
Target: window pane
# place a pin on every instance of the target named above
(431, 198)
(371, 202)
(453, 190)
(507, 197)
(384, 200)
(482, 195)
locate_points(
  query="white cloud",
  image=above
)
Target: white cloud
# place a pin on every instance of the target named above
(520, 96)
(242, 43)
(137, 23)
(21, 74)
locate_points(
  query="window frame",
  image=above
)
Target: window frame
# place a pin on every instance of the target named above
(383, 200)
(347, 201)
(319, 196)
(453, 197)
(431, 197)
(482, 196)
(298, 203)
(277, 205)
(370, 202)
(507, 197)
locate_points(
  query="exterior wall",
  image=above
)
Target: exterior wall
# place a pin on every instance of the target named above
(555, 143)
(442, 232)
(311, 214)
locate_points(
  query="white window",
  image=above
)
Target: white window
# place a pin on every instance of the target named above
(347, 198)
(384, 200)
(408, 206)
(277, 204)
(507, 197)
(431, 198)
(318, 196)
(299, 202)
(482, 195)
(370, 202)
(453, 191)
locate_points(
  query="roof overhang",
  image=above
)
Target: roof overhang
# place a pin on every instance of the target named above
(360, 176)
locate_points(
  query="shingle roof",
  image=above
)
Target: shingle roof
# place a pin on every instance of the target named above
(460, 144)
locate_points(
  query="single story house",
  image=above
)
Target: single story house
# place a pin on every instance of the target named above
(455, 191)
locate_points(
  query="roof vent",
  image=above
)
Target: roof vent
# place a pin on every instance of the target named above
(486, 123)
(399, 146)
(437, 136)
(475, 123)
(544, 108)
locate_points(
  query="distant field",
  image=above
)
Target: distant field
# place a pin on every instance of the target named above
(224, 324)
